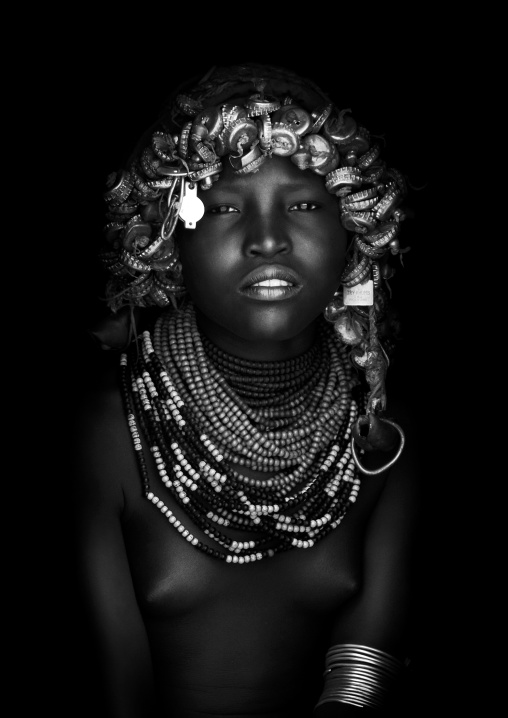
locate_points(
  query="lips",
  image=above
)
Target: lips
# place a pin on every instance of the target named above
(271, 282)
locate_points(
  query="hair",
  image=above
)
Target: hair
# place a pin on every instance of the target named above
(244, 114)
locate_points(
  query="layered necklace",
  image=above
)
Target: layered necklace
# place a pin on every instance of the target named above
(206, 415)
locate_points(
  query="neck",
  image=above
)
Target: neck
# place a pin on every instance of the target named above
(261, 350)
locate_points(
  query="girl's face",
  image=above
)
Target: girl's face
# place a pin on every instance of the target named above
(264, 260)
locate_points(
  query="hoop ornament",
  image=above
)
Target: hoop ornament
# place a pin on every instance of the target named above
(377, 437)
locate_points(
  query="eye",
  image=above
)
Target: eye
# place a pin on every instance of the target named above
(304, 207)
(221, 209)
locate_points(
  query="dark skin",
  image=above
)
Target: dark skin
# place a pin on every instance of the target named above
(184, 635)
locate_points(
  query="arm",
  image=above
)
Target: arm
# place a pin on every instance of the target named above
(102, 458)
(380, 614)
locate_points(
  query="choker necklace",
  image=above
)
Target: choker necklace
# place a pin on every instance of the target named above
(206, 415)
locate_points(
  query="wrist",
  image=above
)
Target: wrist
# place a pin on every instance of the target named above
(357, 677)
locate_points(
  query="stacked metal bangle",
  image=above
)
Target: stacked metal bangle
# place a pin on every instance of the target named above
(359, 675)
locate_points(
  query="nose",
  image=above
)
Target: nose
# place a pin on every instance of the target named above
(267, 237)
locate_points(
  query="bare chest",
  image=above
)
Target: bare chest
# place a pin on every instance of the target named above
(173, 578)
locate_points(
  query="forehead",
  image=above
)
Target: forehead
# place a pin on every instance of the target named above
(276, 173)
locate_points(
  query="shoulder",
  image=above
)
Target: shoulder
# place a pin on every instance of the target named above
(101, 453)
(98, 410)
(398, 508)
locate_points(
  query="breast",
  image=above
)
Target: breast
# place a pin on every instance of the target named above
(172, 578)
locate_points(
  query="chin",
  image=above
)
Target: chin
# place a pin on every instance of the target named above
(274, 325)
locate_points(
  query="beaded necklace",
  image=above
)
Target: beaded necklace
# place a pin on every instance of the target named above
(202, 411)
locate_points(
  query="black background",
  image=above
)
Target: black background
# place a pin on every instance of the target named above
(94, 96)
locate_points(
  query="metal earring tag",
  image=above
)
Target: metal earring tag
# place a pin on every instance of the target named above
(361, 295)
(191, 208)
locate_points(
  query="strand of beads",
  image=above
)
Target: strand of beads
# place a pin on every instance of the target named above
(269, 383)
(284, 482)
(292, 509)
(233, 426)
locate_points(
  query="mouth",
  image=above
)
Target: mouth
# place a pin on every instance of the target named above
(271, 283)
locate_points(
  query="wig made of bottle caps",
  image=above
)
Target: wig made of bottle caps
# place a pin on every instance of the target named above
(245, 115)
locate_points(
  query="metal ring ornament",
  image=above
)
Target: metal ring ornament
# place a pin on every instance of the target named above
(260, 105)
(358, 196)
(354, 273)
(152, 248)
(361, 205)
(210, 118)
(320, 115)
(242, 132)
(119, 187)
(231, 112)
(207, 171)
(149, 163)
(296, 117)
(368, 249)
(252, 166)
(125, 209)
(360, 222)
(140, 286)
(374, 472)
(163, 146)
(373, 174)
(159, 296)
(369, 157)
(284, 140)
(359, 142)
(243, 163)
(265, 133)
(183, 142)
(388, 202)
(340, 129)
(343, 180)
(382, 235)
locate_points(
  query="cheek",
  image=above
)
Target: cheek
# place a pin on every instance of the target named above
(328, 259)
(204, 272)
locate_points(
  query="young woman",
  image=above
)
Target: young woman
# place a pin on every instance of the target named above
(245, 497)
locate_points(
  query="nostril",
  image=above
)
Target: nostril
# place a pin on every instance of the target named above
(268, 245)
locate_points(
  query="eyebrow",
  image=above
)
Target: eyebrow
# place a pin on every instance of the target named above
(234, 187)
